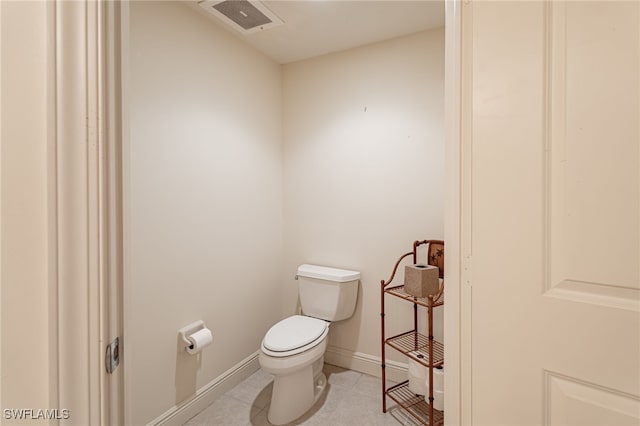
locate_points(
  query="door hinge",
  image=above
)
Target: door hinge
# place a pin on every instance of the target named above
(112, 355)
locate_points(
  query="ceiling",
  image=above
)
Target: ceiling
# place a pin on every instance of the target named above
(315, 27)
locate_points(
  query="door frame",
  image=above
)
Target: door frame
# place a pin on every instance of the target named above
(457, 313)
(85, 249)
(89, 43)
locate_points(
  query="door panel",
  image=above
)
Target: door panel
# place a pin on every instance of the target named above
(593, 175)
(555, 212)
(571, 402)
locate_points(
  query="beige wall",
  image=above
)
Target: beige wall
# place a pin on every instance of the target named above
(23, 212)
(364, 170)
(204, 202)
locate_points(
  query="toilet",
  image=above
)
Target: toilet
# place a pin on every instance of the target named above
(293, 349)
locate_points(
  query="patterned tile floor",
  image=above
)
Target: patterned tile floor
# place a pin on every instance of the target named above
(350, 399)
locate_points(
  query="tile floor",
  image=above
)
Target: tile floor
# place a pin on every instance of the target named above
(350, 399)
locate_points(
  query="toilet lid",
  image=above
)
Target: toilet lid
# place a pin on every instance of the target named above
(293, 332)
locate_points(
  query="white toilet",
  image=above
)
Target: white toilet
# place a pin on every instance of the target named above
(293, 349)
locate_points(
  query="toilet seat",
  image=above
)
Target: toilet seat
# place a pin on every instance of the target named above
(294, 335)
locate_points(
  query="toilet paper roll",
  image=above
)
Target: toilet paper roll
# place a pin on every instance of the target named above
(438, 379)
(418, 378)
(199, 340)
(438, 400)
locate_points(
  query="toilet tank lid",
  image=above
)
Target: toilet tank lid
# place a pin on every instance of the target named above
(327, 273)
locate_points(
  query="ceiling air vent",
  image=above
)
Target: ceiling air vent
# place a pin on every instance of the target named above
(246, 16)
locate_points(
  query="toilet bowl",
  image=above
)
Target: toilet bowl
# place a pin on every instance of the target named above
(293, 349)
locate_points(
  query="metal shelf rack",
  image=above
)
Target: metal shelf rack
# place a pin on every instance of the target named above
(421, 348)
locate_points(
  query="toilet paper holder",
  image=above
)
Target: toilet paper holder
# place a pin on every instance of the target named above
(189, 330)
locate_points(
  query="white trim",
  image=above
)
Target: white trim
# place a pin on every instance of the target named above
(79, 210)
(365, 363)
(456, 331)
(111, 223)
(1, 284)
(465, 21)
(52, 208)
(127, 308)
(181, 413)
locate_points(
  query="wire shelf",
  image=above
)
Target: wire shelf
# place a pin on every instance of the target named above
(416, 346)
(399, 291)
(414, 404)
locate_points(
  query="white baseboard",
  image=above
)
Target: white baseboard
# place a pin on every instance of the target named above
(179, 414)
(365, 363)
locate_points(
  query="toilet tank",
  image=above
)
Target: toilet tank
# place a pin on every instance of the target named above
(327, 293)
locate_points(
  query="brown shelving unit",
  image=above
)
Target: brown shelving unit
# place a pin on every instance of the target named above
(421, 348)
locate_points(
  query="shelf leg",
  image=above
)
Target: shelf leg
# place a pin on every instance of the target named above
(415, 325)
(382, 349)
(430, 328)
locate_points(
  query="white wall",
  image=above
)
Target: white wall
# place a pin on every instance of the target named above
(204, 203)
(364, 170)
(23, 212)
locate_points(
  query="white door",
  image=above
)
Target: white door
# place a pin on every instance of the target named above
(551, 130)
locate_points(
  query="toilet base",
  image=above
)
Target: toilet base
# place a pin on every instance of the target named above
(294, 394)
